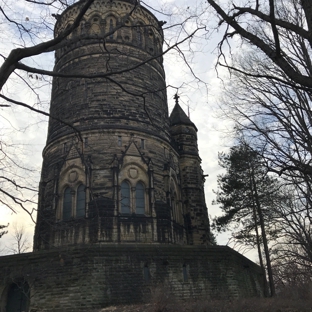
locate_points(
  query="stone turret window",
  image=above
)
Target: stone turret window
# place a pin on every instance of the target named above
(139, 36)
(146, 273)
(111, 28)
(74, 206)
(65, 148)
(125, 197)
(132, 198)
(139, 198)
(67, 204)
(119, 141)
(185, 272)
(81, 201)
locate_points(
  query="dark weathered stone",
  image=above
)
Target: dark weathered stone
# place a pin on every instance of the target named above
(124, 126)
(92, 247)
(79, 279)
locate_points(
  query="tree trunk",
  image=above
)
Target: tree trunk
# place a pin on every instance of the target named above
(259, 250)
(264, 238)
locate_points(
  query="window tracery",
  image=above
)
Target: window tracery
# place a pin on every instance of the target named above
(74, 203)
(132, 199)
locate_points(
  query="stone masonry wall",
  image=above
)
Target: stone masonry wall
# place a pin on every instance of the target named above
(102, 275)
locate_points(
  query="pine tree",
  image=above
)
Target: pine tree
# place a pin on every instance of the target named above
(246, 195)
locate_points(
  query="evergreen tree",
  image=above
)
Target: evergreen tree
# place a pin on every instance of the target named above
(246, 195)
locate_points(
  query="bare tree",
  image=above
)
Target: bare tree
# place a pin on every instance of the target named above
(2, 230)
(293, 221)
(271, 83)
(269, 98)
(271, 26)
(20, 243)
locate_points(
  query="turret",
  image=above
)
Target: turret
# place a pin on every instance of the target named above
(184, 136)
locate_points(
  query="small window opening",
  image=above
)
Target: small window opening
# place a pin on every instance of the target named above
(146, 274)
(111, 28)
(119, 141)
(139, 35)
(142, 143)
(65, 147)
(85, 142)
(185, 272)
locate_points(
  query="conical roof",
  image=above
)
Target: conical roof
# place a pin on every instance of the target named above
(178, 117)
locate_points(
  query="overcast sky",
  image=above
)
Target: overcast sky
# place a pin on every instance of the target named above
(199, 94)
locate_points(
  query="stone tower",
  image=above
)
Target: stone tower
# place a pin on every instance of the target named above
(121, 208)
(116, 167)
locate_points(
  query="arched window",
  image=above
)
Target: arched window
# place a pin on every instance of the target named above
(81, 201)
(139, 35)
(18, 297)
(111, 28)
(125, 197)
(67, 204)
(139, 198)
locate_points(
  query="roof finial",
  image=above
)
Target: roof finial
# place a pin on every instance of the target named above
(176, 97)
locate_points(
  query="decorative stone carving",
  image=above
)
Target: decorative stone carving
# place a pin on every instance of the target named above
(133, 173)
(73, 176)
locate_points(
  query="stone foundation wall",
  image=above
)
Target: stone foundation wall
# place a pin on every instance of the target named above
(101, 275)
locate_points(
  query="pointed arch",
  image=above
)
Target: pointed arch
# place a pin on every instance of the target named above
(18, 297)
(110, 27)
(95, 25)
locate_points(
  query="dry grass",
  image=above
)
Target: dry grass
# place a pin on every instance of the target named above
(243, 305)
(296, 299)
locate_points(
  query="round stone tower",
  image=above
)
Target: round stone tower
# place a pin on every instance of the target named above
(111, 170)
